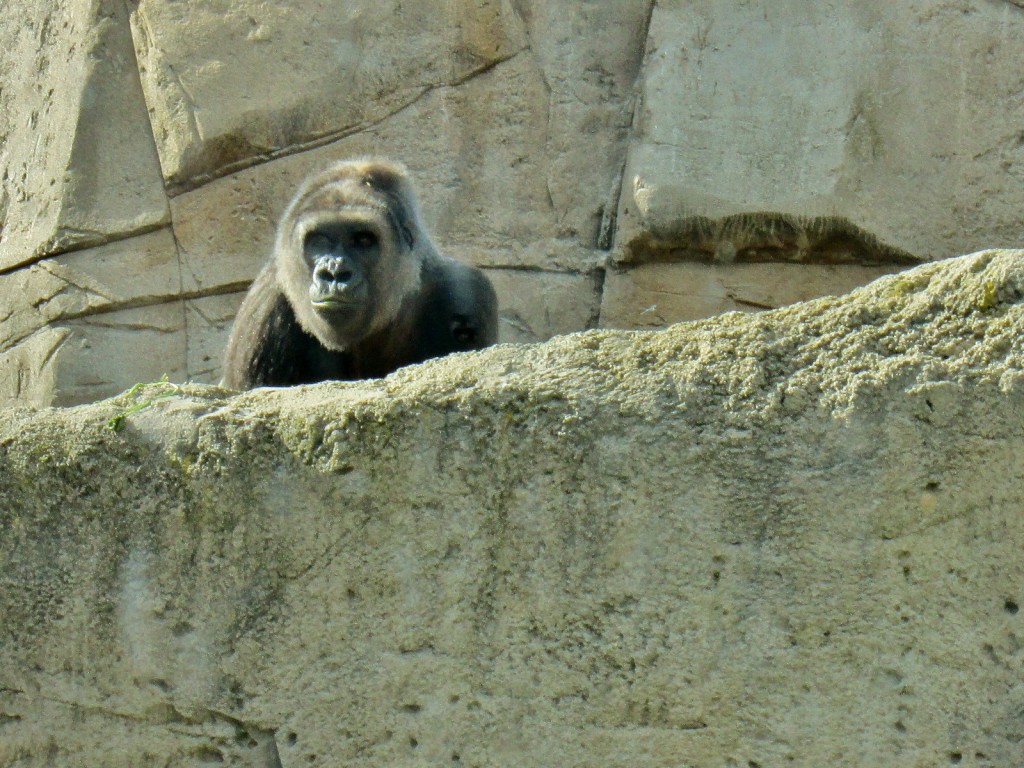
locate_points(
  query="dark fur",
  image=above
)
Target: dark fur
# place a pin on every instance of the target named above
(412, 303)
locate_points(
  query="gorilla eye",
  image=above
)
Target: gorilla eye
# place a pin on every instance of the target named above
(364, 239)
(317, 242)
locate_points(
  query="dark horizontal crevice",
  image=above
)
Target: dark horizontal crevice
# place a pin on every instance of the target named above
(754, 238)
(148, 301)
(83, 244)
(153, 301)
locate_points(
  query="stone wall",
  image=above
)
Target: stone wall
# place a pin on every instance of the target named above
(784, 539)
(618, 164)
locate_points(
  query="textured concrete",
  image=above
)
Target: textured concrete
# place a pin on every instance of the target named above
(790, 538)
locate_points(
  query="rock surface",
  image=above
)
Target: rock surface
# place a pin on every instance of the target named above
(78, 161)
(790, 538)
(558, 138)
(734, 122)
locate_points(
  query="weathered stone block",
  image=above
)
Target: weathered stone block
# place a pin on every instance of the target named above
(866, 113)
(76, 150)
(108, 353)
(534, 306)
(63, 289)
(590, 55)
(339, 75)
(504, 177)
(95, 355)
(654, 295)
(28, 369)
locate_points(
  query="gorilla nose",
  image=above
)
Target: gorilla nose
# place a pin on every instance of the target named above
(333, 270)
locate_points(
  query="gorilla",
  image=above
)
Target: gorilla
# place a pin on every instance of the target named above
(355, 288)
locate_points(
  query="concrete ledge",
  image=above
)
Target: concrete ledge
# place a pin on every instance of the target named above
(785, 539)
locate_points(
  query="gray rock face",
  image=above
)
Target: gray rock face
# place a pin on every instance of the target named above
(790, 538)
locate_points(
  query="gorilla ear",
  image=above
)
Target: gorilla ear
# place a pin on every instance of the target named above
(388, 183)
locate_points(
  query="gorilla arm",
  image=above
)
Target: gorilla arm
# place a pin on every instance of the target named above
(267, 346)
(462, 308)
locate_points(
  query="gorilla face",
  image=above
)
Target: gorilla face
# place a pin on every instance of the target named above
(341, 258)
(346, 267)
(340, 267)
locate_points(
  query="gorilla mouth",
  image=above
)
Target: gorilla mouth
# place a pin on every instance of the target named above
(334, 304)
(334, 298)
